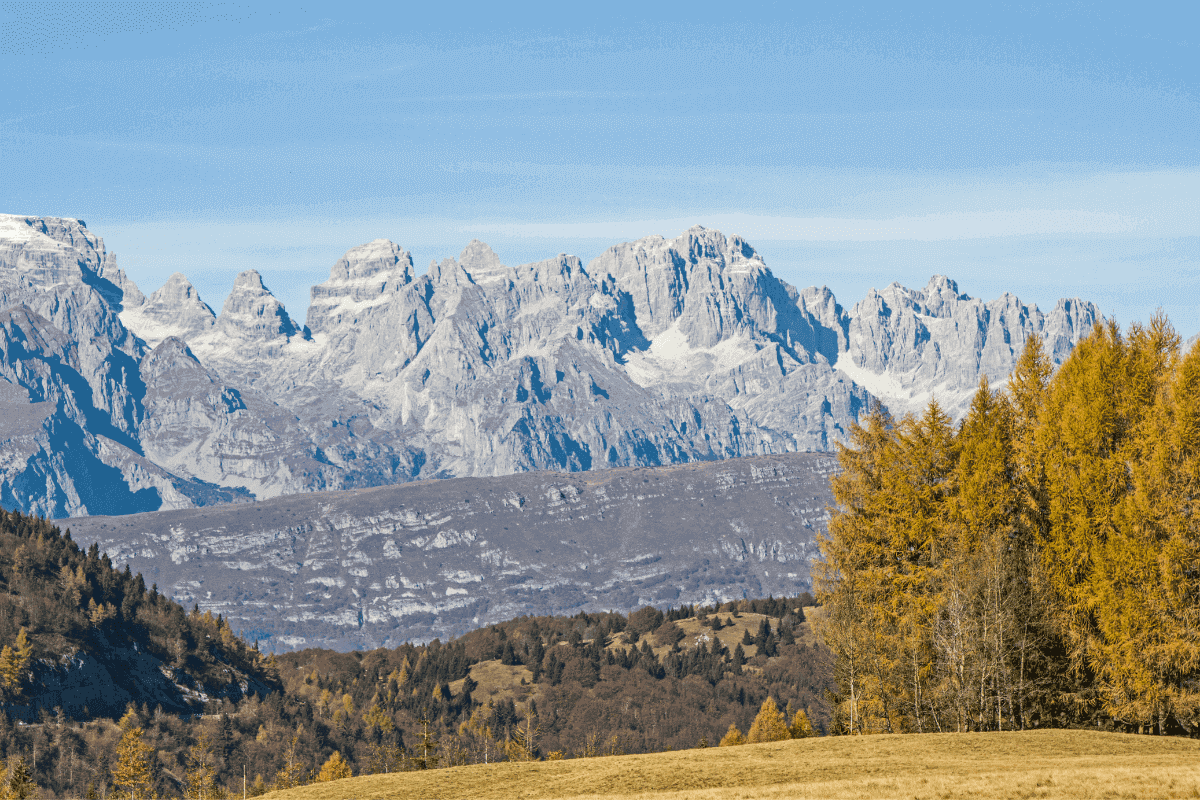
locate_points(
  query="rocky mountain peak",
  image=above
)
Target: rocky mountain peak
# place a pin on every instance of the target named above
(941, 285)
(48, 251)
(76, 253)
(175, 309)
(448, 273)
(252, 312)
(478, 256)
(378, 259)
(907, 346)
(179, 292)
(166, 357)
(365, 276)
(941, 296)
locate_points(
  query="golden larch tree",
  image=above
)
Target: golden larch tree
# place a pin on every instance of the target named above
(131, 777)
(769, 725)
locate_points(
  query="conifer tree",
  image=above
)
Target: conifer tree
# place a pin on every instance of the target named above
(1038, 562)
(854, 548)
(14, 660)
(201, 769)
(18, 782)
(732, 737)
(982, 592)
(769, 725)
(1147, 654)
(427, 747)
(801, 728)
(292, 772)
(523, 744)
(9, 672)
(1027, 393)
(131, 777)
(334, 769)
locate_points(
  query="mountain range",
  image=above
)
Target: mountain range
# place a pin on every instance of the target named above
(659, 351)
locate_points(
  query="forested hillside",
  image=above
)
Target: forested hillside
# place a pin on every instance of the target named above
(590, 683)
(1038, 565)
(82, 638)
(110, 687)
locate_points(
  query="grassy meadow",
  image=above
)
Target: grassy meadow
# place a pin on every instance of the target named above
(1033, 764)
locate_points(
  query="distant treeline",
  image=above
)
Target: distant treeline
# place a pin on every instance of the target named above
(590, 684)
(1036, 565)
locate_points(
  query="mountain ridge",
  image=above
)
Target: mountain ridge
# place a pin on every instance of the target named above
(379, 566)
(658, 351)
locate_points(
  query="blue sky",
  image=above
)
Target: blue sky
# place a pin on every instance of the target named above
(1045, 150)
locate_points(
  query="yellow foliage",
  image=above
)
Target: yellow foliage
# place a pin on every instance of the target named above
(801, 728)
(98, 613)
(732, 737)
(291, 774)
(129, 719)
(200, 778)
(18, 783)
(1039, 559)
(378, 718)
(131, 777)
(14, 660)
(769, 725)
(334, 769)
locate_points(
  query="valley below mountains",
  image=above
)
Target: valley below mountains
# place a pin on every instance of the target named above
(658, 352)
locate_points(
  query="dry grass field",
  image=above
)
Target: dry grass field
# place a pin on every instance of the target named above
(498, 681)
(1036, 764)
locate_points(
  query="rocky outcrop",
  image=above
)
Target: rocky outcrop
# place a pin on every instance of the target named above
(103, 679)
(659, 351)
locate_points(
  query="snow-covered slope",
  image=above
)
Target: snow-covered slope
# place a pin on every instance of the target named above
(658, 351)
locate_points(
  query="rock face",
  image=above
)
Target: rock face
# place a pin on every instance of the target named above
(660, 351)
(103, 679)
(907, 346)
(374, 567)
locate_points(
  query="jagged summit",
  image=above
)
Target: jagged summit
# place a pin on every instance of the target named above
(365, 276)
(175, 309)
(660, 350)
(252, 312)
(478, 257)
(369, 264)
(905, 346)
